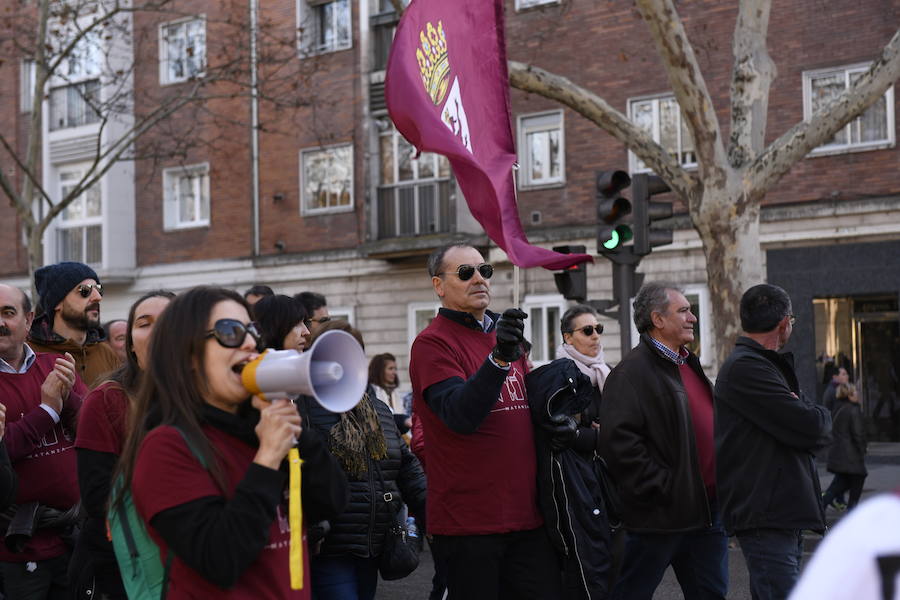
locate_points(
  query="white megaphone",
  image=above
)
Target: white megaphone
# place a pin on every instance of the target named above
(333, 371)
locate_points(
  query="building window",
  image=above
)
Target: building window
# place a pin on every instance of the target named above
(182, 50)
(323, 25)
(80, 226)
(419, 316)
(661, 118)
(342, 313)
(74, 105)
(524, 4)
(871, 130)
(414, 193)
(542, 325)
(27, 75)
(186, 197)
(541, 150)
(326, 180)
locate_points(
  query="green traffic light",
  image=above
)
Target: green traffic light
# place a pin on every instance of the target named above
(613, 242)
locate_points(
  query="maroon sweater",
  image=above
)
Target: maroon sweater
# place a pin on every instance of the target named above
(41, 451)
(701, 404)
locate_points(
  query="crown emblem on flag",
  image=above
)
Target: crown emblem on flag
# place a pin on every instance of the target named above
(434, 61)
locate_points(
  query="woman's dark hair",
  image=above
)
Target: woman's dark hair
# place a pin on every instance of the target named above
(174, 388)
(276, 315)
(376, 370)
(129, 374)
(339, 325)
(565, 324)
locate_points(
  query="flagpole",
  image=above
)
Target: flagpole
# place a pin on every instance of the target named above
(515, 167)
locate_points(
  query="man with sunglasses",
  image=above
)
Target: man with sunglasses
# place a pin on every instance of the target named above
(68, 319)
(468, 374)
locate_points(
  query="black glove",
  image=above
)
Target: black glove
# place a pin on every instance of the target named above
(510, 335)
(562, 431)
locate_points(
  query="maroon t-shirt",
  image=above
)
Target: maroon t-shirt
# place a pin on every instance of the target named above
(484, 482)
(700, 401)
(101, 424)
(40, 451)
(167, 474)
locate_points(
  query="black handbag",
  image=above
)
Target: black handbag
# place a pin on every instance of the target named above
(399, 553)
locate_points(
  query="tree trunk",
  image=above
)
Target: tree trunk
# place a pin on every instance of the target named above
(35, 256)
(728, 225)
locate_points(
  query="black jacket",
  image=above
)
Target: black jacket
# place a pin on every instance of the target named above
(360, 529)
(766, 435)
(647, 438)
(848, 450)
(569, 494)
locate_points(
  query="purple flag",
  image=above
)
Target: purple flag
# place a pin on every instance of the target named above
(447, 91)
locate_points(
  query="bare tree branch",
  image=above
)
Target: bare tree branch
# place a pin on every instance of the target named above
(798, 141)
(751, 81)
(687, 82)
(532, 79)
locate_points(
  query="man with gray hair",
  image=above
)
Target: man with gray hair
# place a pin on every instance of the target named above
(656, 435)
(760, 413)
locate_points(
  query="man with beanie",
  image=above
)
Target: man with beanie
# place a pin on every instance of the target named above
(68, 320)
(42, 394)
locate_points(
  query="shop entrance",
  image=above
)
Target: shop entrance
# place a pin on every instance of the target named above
(862, 334)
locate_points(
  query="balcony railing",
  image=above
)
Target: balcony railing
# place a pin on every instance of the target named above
(414, 209)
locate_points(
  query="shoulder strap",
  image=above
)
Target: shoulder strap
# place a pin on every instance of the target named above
(386, 495)
(194, 450)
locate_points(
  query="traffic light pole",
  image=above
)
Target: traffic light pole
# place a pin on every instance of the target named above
(623, 284)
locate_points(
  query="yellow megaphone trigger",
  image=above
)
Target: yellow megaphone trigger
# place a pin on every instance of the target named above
(248, 376)
(295, 519)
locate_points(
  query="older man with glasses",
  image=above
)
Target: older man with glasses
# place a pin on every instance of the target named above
(468, 373)
(68, 319)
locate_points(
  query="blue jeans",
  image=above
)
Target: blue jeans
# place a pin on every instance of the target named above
(773, 560)
(699, 559)
(343, 577)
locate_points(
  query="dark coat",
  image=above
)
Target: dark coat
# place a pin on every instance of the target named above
(569, 493)
(848, 450)
(647, 438)
(361, 528)
(766, 435)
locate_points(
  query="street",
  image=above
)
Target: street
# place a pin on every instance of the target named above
(883, 462)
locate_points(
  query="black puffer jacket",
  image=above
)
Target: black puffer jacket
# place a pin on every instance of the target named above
(848, 450)
(569, 493)
(360, 529)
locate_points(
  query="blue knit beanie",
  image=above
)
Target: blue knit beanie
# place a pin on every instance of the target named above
(53, 282)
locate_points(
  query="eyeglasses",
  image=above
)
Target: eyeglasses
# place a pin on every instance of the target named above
(588, 330)
(466, 272)
(231, 333)
(86, 289)
(320, 320)
(792, 319)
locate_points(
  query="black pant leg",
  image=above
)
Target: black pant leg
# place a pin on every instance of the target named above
(856, 488)
(530, 569)
(472, 565)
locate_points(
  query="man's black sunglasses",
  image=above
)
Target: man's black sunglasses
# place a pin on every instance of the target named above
(466, 272)
(85, 289)
(588, 330)
(231, 333)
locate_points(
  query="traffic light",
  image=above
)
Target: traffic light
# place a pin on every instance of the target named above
(613, 212)
(572, 282)
(643, 188)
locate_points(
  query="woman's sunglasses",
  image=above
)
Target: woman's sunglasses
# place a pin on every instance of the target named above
(466, 272)
(231, 333)
(588, 330)
(86, 289)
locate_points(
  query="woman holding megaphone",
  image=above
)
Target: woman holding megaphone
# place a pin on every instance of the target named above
(379, 466)
(205, 466)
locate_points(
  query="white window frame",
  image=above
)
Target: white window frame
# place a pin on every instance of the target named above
(701, 290)
(411, 310)
(543, 124)
(635, 164)
(542, 302)
(307, 44)
(200, 181)
(164, 76)
(81, 69)
(305, 210)
(27, 75)
(64, 224)
(831, 149)
(527, 4)
(347, 313)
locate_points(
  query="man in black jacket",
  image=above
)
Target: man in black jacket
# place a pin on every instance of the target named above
(656, 433)
(766, 433)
